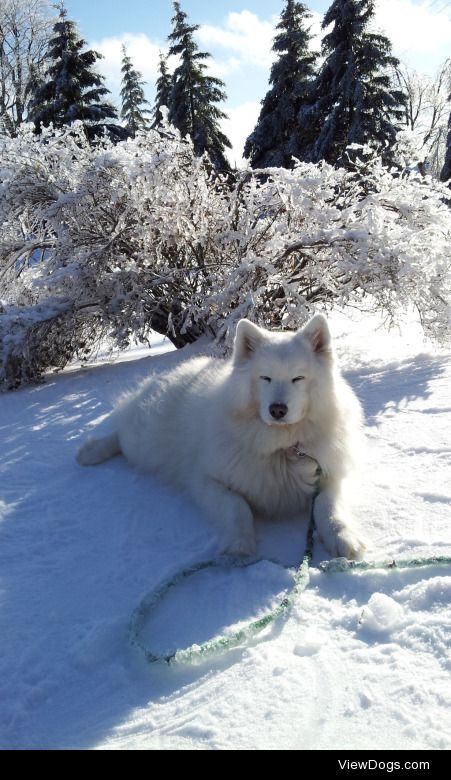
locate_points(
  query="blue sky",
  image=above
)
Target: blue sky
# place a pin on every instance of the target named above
(100, 18)
(238, 34)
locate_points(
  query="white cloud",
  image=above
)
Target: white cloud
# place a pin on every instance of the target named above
(420, 33)
(223, 68)
(412, 28)
(243, 34)
(314, 23)
(240, 123)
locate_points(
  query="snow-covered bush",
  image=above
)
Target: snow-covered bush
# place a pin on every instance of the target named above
(116, 241)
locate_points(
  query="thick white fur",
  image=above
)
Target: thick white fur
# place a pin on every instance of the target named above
(206, 427)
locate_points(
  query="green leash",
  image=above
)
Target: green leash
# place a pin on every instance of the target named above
(342, 564)
(197, 653)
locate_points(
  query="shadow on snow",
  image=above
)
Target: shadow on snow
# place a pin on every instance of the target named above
(80, 547)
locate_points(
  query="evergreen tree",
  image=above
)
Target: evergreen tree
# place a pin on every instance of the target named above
(163, 94)
(353, 101)
(192, 108)
(35, 83)
(276, 137)
(71, 88)
(132, 95)
(446, 170)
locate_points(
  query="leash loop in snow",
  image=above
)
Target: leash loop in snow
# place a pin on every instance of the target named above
(197, 653)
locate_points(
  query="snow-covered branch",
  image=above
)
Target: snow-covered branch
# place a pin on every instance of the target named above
(114, 241)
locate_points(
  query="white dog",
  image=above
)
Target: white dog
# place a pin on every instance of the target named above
(230, 433)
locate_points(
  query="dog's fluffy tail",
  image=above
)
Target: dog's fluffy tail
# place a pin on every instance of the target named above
(96, 451)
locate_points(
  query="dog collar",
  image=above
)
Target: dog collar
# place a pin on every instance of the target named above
(296, 451)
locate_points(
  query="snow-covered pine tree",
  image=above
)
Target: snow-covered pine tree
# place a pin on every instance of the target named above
(276, 136)
(353, 100)
(192, 108)
(72, 90)
(35, 83)
(446, 170)
(132, 95)
(163, 91)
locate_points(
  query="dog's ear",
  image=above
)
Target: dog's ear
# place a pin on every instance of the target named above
(318, 334)
(248, 338)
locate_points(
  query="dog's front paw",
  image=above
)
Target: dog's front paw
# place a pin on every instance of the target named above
(346, 544)
(309, 470)
(239, 545)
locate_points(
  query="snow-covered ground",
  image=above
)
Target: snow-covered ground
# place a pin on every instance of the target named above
(362, 661)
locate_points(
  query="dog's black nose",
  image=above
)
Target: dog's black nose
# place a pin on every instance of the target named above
(278, 411)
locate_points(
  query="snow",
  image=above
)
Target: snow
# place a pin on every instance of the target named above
(363, 659)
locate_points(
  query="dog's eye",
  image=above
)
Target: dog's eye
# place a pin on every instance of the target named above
(266, 378)
(298, 379)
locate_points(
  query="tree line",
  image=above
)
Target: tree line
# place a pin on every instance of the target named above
(104, 242)
(316, 108)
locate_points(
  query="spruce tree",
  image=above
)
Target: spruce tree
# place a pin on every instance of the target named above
(276, 137)
(163, 93)
(446, 170)
(192, 108)
(353, 101)
(71, 89)
(133, 98)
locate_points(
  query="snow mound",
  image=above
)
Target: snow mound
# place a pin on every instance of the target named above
(382, 615)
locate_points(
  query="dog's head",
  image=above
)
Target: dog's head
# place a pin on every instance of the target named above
(284, 368)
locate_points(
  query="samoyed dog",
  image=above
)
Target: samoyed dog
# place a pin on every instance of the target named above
(244, 436)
